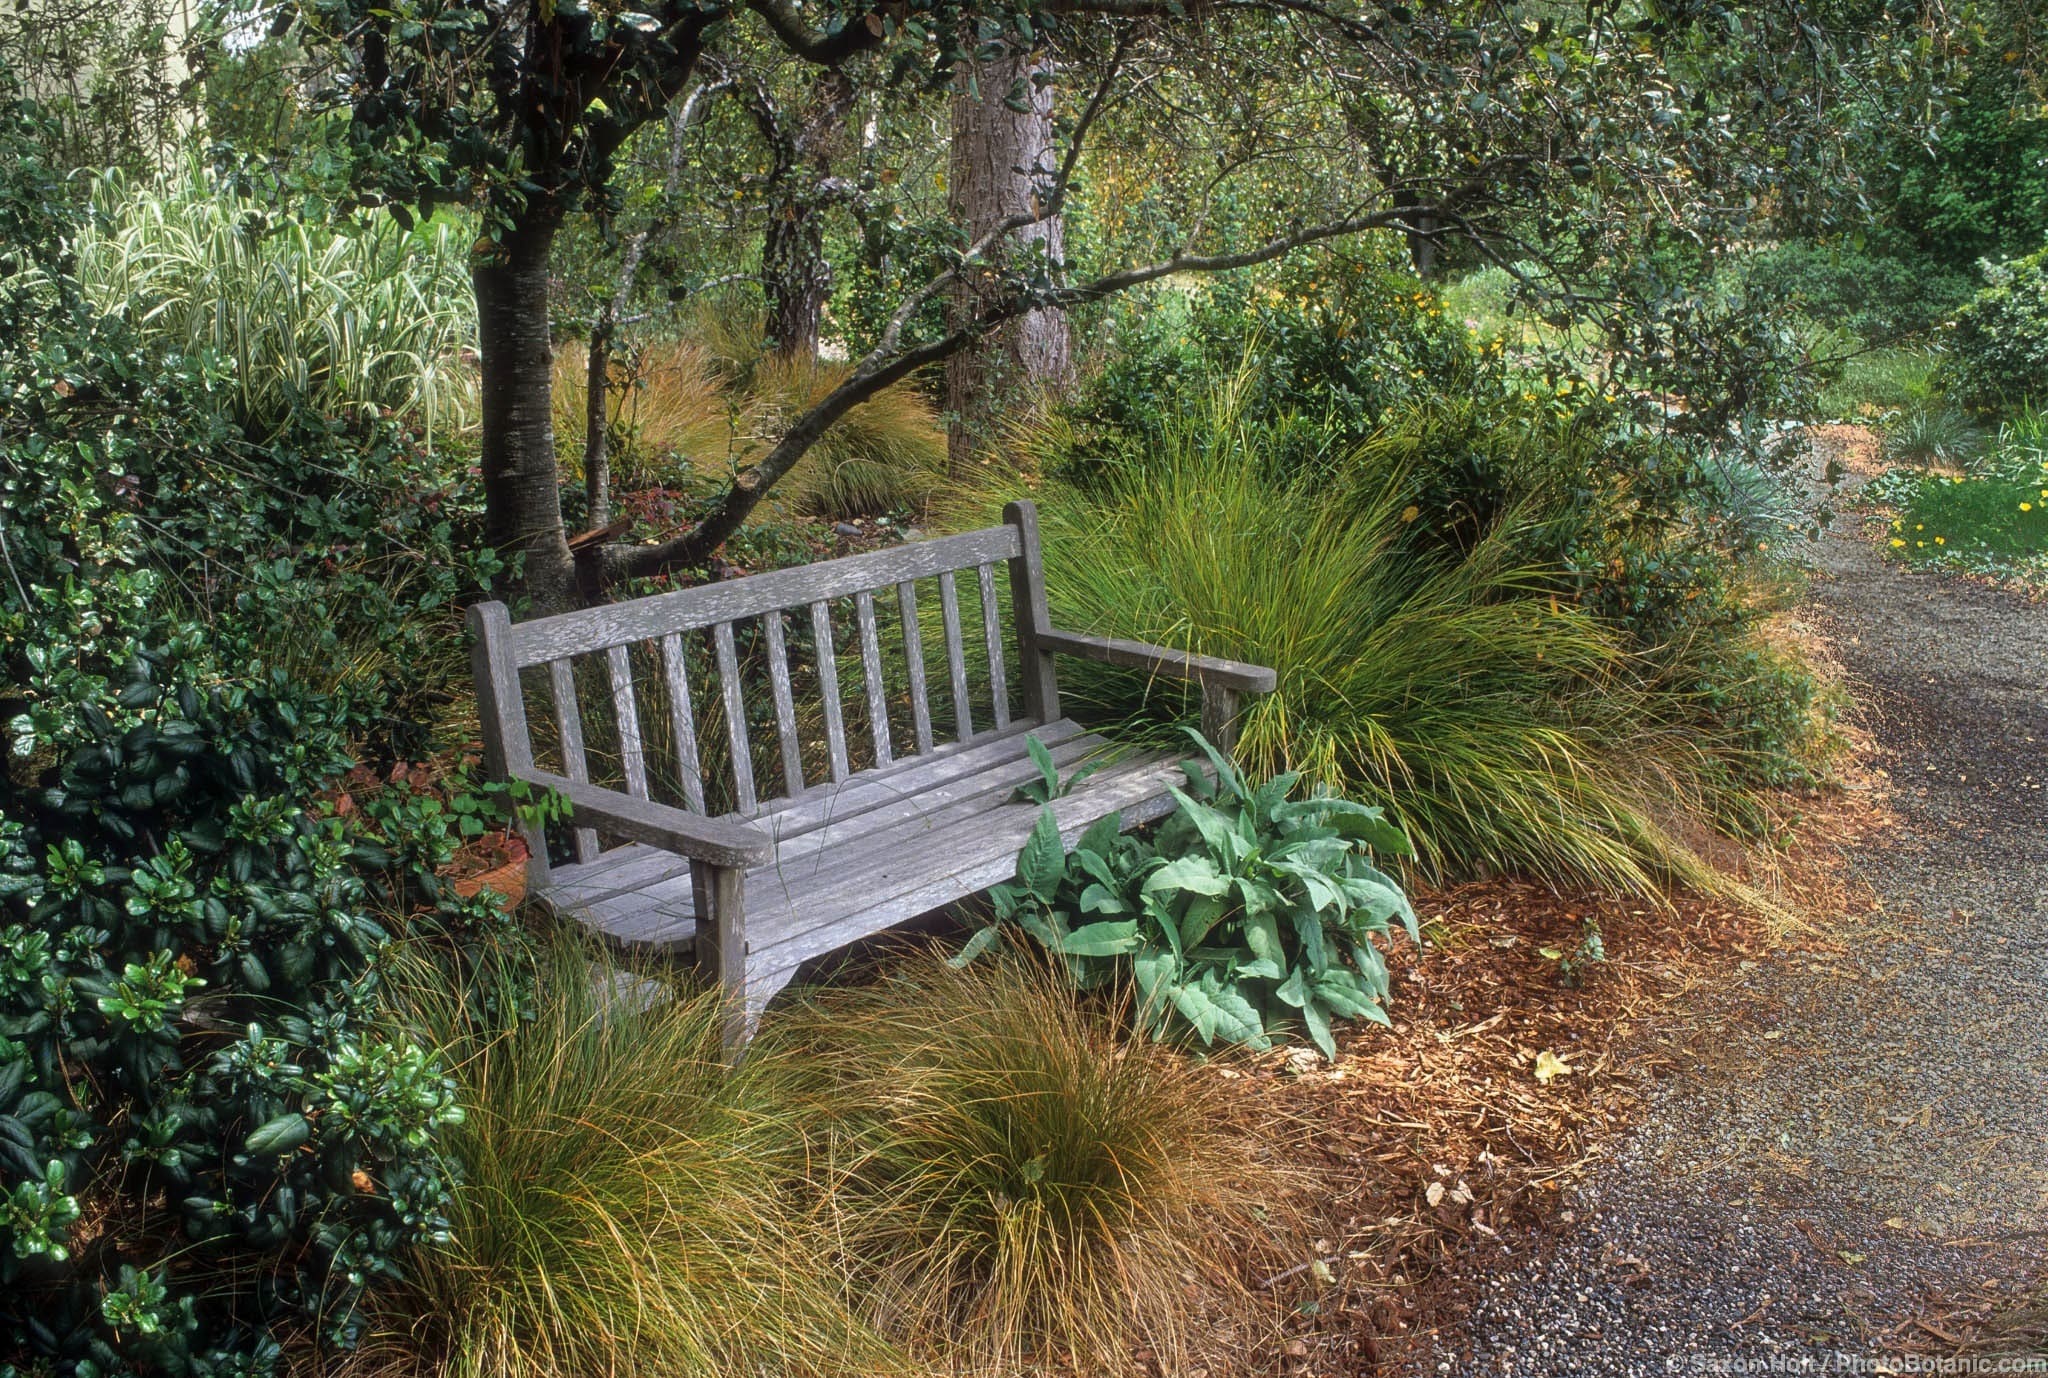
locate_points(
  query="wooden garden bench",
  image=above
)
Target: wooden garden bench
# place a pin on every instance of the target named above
(862, 829)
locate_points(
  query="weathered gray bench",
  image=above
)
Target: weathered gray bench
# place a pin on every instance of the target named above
(866, 830)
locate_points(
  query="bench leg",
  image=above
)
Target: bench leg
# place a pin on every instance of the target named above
(722, 943)
(1219, 717)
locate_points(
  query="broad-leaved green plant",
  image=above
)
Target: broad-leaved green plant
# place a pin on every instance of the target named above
(1248, 912)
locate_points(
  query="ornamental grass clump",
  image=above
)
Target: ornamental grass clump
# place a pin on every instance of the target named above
(1503, 727)
(1016, 1180)
(627, 1204)
(361, 321)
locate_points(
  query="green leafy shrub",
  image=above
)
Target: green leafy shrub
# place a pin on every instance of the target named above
(1998, 346)
(207, 1139)
(1320, 351)
(1877, 297)
(1015, 1183)
(624, 1200)
(189, 1052)
(1246, 913)
(1668, 547)
(143, 508)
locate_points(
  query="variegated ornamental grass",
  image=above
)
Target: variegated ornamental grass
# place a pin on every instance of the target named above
(362, 317)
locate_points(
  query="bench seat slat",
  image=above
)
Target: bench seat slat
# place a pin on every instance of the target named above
(657, 897)
(952, 865)
(893, 796)
(820, 804)
(871, 878)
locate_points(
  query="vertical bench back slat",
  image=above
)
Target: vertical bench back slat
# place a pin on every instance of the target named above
(871, 677)
(682, 722)
(632, 751)
(735, 716)
(785, 703)
(913, 655)
(828, 690)
(569, 731)
(1028, 614)
(992, 634)
(956, 654)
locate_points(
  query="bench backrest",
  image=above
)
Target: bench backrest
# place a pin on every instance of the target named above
(648, 733)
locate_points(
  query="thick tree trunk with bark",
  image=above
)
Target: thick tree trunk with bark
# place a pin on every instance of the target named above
(1002, 160)
(522, 504)
(795, 274)
(796, 277)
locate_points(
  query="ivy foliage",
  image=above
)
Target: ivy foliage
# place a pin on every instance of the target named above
(1249, 912)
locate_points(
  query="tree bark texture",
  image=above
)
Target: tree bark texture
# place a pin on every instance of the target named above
(795, 274)
(522, 504)
(1001, 161)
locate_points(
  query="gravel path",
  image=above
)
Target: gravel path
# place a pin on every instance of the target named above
(1857, 1145)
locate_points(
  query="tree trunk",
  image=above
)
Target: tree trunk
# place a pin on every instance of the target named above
(1422, 246)
(597, 430)
(1001, 158)
(796, 276)
(522, 499)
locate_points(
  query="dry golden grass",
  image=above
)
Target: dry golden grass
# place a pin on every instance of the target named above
(707, 403)
(888, 452)
(669, 414)
(1021, 1187)
(625, 1202)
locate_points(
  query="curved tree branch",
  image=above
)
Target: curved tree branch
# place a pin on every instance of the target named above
(878, 371)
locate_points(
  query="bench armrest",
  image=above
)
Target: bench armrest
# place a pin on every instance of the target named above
(715, 841)
(1222, 674)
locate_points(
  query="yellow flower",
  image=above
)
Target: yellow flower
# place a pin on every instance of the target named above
(1410, 512)
(1920, 545)
(1941, 540)
(1919, 526)
(2026, 507)
(1898, 544)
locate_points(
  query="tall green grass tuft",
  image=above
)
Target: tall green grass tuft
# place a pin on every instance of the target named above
(1017, 1181)
(626, 1204)
(368, 319)
(1506, 729)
